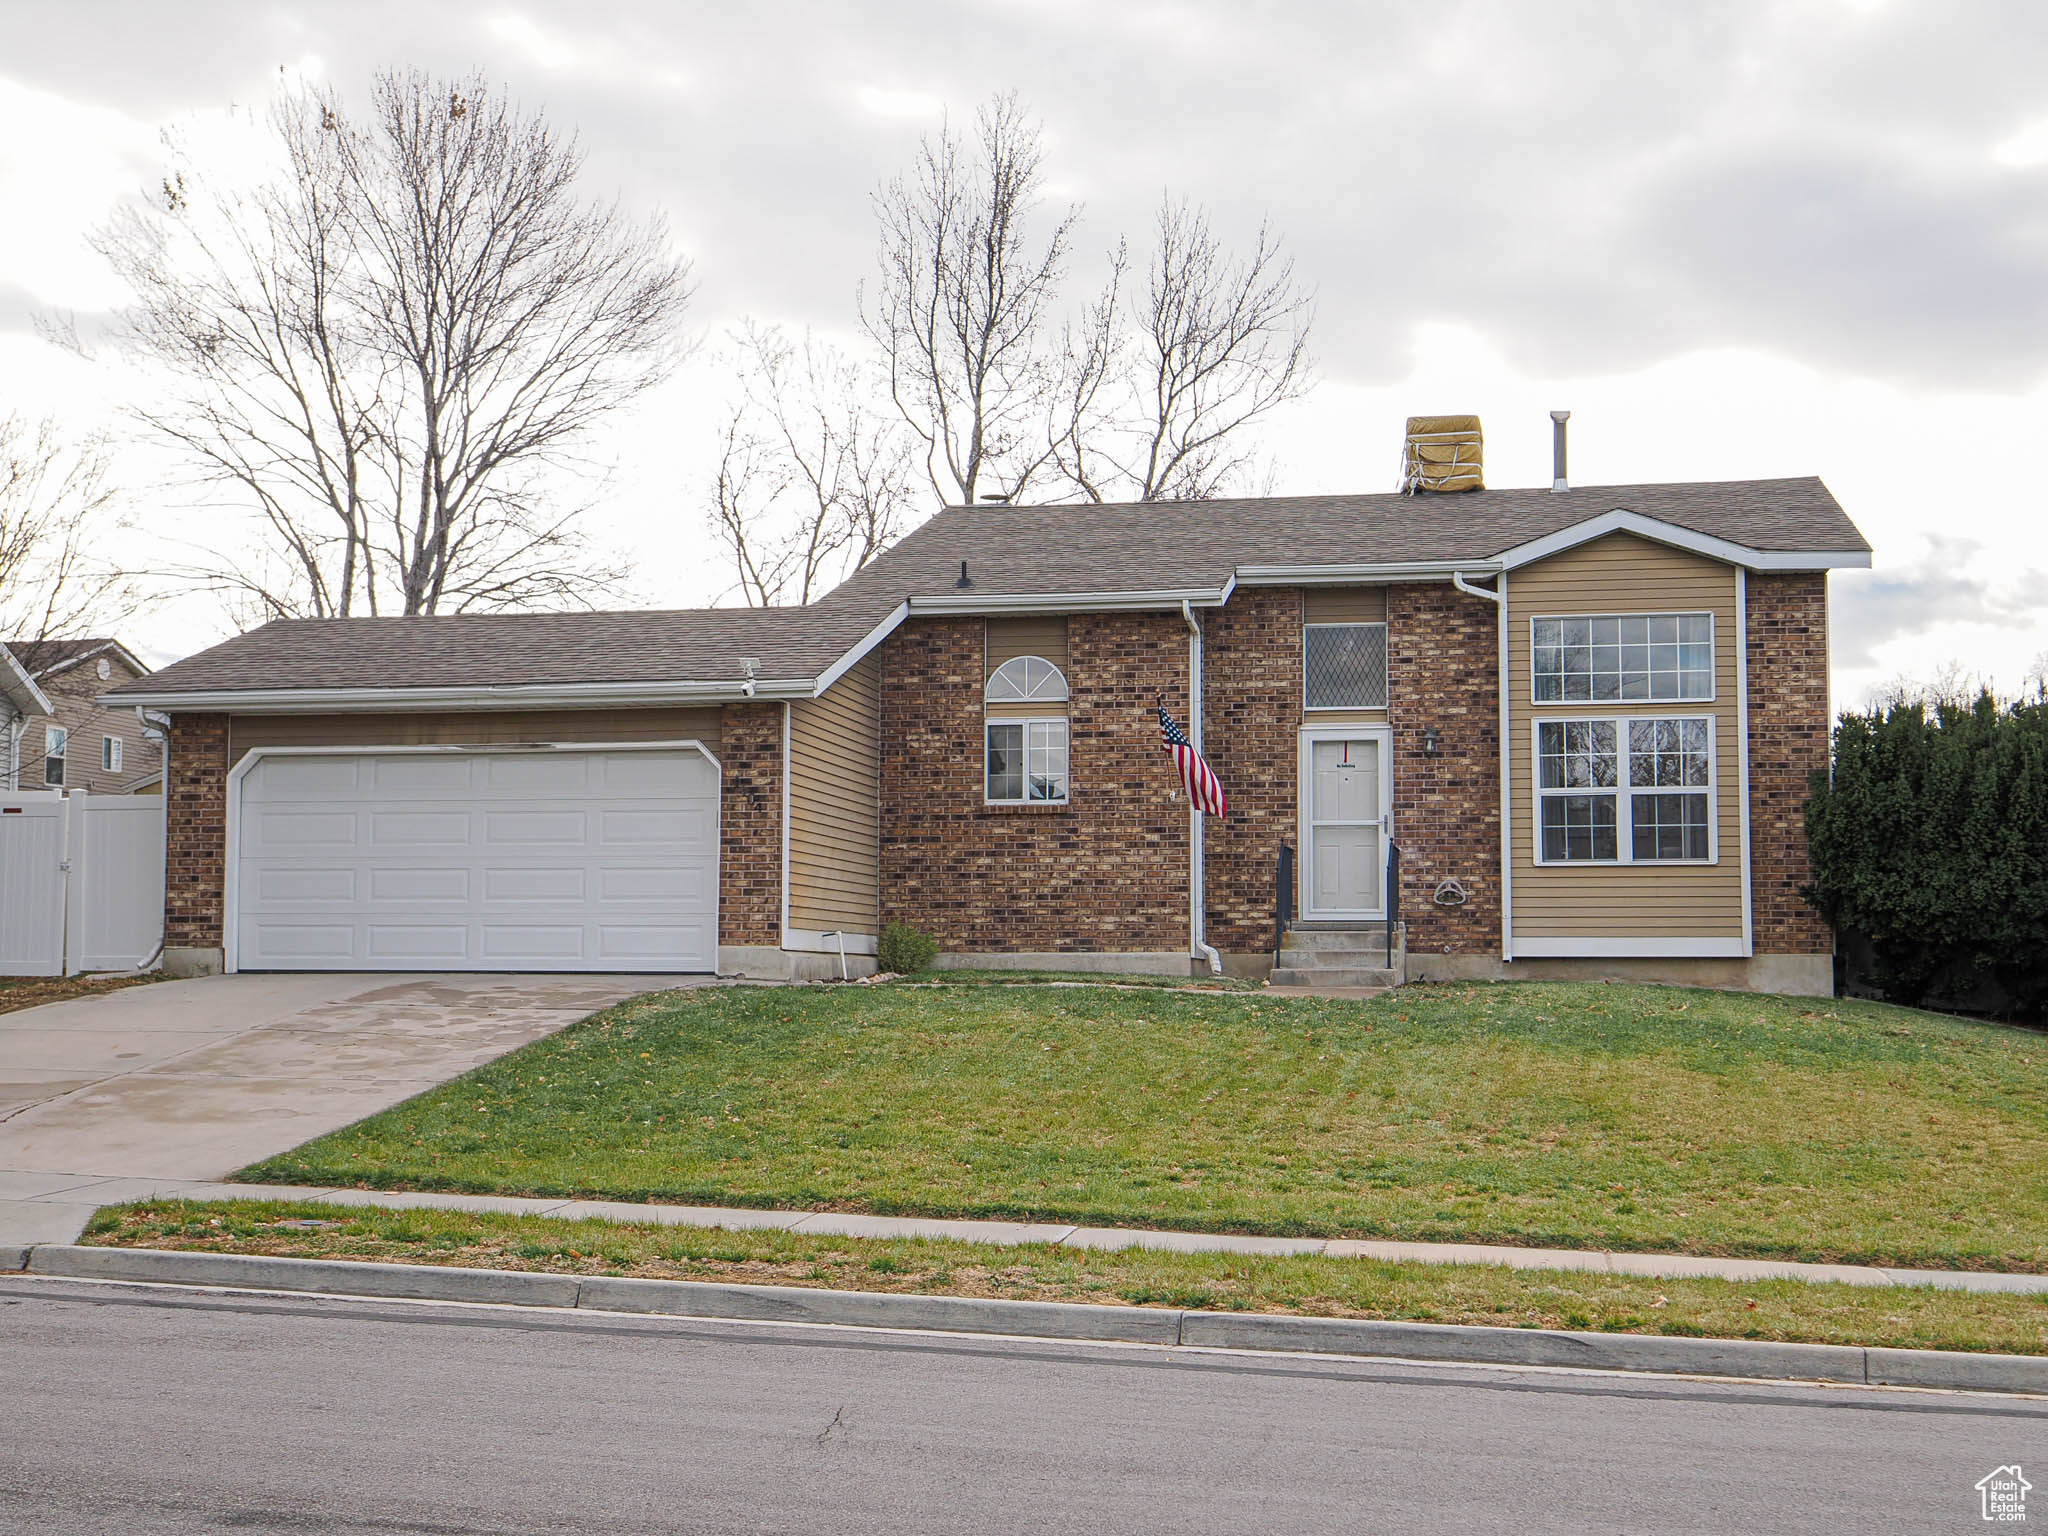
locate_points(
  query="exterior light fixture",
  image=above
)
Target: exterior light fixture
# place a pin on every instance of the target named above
(1430, 744)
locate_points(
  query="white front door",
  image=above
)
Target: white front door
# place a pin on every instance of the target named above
(1344, 823)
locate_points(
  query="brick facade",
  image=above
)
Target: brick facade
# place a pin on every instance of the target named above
(750, 825)
(1106, 872)
(1443, 671)
(1788, 744)
(195, 858)
(1251, 682)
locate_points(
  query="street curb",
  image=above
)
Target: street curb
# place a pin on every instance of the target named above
(1750, 1359)
(14, 1256)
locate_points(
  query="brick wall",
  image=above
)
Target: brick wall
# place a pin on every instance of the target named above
(1788, 744)
(750, 830)
(195, 858)
(1443, 670)
(1252, 682)
(1106, 872)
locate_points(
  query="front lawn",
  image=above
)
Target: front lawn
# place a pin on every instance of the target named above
(1917, 1318)
(1556, 1115)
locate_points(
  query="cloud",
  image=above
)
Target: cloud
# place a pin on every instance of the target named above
(1944, 589)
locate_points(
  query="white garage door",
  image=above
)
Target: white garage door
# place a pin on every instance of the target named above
(542, 860)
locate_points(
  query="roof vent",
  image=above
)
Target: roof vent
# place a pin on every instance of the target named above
(1558, 482)
(1441, 453)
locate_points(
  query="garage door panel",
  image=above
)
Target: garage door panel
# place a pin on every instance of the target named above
(525, 828)
(538, 773)
(686, 886)
(304, 829)
(666, 945)
(400, 884)
(516, 860)
(532, 942)
(294, 886)
(527, 883)
(680, 830)
(656, 775)
(422, 776)
(286, 944)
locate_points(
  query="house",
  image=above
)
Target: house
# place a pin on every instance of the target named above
(1587, 717)
(58, 735)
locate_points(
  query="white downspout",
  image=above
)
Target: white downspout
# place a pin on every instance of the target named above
(1198, 944)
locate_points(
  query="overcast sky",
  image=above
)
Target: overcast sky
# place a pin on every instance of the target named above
(1740, 239)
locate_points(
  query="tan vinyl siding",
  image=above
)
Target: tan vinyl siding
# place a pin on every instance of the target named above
(1623, 574)
(1344, 605)
(472, 728)
(835, 745)
(1046, 637)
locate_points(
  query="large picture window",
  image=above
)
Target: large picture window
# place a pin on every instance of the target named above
(1625, 791)
(1344, 666)
(1657, 658)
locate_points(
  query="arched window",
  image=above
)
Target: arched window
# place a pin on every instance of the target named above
(1027, 680)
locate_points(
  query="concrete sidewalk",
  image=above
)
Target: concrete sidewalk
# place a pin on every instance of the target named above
(76, 1193)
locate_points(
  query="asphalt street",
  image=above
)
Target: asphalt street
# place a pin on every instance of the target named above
(152, 1409)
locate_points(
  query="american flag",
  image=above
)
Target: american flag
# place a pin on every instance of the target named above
(1203, 787)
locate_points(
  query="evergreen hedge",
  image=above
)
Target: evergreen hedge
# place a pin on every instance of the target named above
(1931, 842)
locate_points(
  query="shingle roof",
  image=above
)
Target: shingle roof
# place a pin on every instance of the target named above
(1010, 550)
(1172, 545)
(38, 657)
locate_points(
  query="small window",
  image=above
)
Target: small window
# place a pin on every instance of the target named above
(1344, 666)
(1027, 680)
(1027, 762)
(110, 754)
(1662, 769)
(1654, 657)
(55, 739)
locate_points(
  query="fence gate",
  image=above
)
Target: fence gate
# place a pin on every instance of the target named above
(81, 881)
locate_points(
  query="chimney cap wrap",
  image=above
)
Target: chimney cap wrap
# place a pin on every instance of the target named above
(1442, 453)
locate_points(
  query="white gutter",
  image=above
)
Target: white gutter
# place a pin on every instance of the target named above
(285, 701)
(1197, 924)
(1622, 520)
(1359, 575)
(866, 643)
(17, 686)
(1458, 580)
(1070, 602)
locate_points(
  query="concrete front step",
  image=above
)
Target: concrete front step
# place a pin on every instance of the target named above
(1294, 957)
(1320, 976)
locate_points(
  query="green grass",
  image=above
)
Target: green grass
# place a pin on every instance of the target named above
(1918, 1318)
(1549, 1114)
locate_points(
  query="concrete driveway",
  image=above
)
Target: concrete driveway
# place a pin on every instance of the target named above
(134, 1092)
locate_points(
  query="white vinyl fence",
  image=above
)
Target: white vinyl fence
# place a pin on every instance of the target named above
(81, 881)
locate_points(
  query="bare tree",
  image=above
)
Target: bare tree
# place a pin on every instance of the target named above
(812, 482)
(1219, 343)
(1139, 397)
(56, 507)
(965, 307)
(394, 352)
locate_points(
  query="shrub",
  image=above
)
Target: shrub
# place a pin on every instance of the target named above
(905, 950)
(1931, 842)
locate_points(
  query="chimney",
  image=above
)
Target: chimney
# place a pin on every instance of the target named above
(1442, 453)
(1557, 477)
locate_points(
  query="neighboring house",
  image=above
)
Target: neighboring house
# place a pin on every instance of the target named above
(63, 737)
(964, 736)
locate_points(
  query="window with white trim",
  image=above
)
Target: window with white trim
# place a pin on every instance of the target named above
(1657, 658)
(1027, 762)
(55, 740)
(1344, 666)
(1625, 790)
(110, 754)
(1026, 751)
